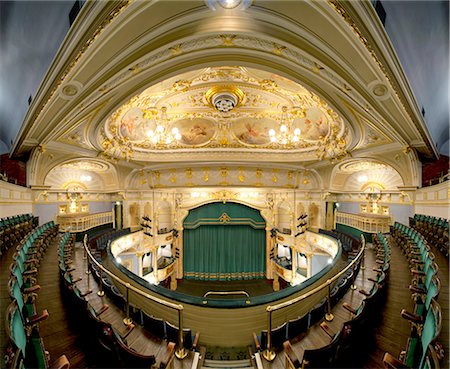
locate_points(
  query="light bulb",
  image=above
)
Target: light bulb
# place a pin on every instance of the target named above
(150, 133)
(283, 128)
(295, 139)
(271, 132)
(160, 129)
(297, 131)
(177, 136)
(175, 131)
(273, 139)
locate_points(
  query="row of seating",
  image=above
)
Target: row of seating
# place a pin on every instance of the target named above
(13, 229)
(293, 329)
(348, 340)
(434, 229)
(112, 345)
(348, 242)
(100, 242)
(423, 349)
(26, 348)
(156, 326)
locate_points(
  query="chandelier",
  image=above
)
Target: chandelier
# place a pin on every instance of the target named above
(162, 134)
(286, 134)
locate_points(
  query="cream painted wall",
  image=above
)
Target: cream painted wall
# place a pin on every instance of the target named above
(14, 200)
(434, 200)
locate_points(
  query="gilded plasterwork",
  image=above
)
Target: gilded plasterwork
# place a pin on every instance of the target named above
(357, 166)
(178, 114)
(87, 165)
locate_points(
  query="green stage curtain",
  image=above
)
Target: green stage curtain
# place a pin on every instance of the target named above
(224, 252)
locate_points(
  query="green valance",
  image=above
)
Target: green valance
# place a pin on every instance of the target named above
(218, 213)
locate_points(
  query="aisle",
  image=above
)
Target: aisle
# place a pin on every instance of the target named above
(59, 331)
(392, 331)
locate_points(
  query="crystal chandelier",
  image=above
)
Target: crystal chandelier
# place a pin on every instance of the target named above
(286, 134)
(162, 134)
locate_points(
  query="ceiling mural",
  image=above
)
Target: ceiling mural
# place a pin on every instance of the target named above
(225, 107)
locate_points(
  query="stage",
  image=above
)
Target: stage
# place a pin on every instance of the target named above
(254, 287)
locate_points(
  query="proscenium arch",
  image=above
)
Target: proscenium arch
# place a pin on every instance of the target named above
(224, 241)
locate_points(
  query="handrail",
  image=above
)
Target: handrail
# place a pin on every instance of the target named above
(269, 354)
(224, 293)
(181, 352)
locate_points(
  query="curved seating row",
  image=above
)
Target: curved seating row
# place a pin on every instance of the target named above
(100, 242)
(13, 230)
(110, 343)
(348, 242)
(422, 349)
(26, 348)
(346, 341)
(434, 229)
(156, 326)
(294, 328)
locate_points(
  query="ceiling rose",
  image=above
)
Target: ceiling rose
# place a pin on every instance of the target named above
(224, 98)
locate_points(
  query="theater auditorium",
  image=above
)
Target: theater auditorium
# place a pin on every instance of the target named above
(223, 184)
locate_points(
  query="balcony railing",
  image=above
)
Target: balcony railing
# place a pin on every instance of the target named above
(369, 223)
(79, 223)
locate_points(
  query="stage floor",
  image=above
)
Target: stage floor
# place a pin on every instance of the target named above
(254, 287)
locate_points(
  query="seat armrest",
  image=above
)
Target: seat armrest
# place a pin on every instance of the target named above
(416, 289)
(373, 280)
(36, 318)
(257, 344)
(76, 280)
(70, 270)
(349, 308)
(290, 354)
(29, 261)
(30, 272)
(102, 310)
(326, 328)
(378, 261)
(412, 317)
(378, 270)
(390, 362)
(128, 330)
(364, 292)
(61, 363)
(86, 293)
(168, 356)
(34, 288)
(195, 343)
(417, 272)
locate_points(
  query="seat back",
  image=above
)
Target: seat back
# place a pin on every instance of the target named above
(155, 326)
(128, 357)
(431, 328)
(15, 329)
(323, 357)
(295, 327)
(318, 312)
(172, 332)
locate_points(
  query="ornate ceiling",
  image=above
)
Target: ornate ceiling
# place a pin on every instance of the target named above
(253, 97)
(233, 108)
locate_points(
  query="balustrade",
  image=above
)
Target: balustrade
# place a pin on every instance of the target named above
(81, 222)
